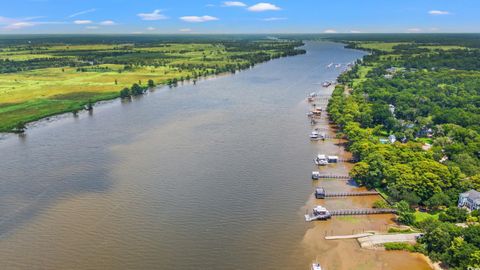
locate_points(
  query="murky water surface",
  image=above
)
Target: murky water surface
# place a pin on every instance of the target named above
(208, 176)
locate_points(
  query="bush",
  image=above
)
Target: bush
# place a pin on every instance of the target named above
(381, 204)
(125, 92)
(454, 215)
(399, 246)
(400, 230)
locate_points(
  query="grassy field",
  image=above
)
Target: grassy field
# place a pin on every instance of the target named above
(47, 79)
(381, 46)
(389, 46)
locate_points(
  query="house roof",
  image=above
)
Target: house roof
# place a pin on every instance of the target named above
(472, 194)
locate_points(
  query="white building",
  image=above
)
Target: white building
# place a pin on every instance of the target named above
(470, 200)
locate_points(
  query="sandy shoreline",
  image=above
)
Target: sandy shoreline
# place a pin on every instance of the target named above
(347, 253)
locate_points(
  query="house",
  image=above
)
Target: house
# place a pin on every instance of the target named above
(391, 108)
(392, 138)
(470, 200)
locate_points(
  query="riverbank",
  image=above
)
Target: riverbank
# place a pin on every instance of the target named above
(47, 79)
(336, 254)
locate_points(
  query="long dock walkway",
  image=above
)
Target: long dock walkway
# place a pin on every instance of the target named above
(327, 214)
(362, 211)
(350, 236)
(331, 176)
(321, 193)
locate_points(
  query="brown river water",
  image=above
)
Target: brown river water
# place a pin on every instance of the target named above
(208, 176)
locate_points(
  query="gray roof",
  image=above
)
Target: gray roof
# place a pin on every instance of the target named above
(472, 194)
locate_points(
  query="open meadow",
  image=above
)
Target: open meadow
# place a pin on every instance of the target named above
(39, 79)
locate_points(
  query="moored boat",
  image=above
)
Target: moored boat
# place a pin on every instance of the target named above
(321, 160)
(326, 84)
(314, 135)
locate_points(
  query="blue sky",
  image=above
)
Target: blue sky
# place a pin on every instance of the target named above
(264, 16)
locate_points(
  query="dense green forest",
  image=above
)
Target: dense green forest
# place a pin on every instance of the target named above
(411, 113)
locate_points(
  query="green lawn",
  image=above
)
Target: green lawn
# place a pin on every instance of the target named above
(421, 216)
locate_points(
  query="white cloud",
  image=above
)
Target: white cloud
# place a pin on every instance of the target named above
(271, 19)
(5, 20)
(197, 19)
(151, 28)
(234, 4)
(91, 27)
(330, 31)
(184, 30)
(438, 12)
(414, 30)
(82, 12)
(263, 7)
(154, 16)
(108, 22)
(82, 22)
(19, 25)
(355, 31)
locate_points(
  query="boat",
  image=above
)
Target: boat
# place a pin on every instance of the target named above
(330, 65)
(338, 65)
(315, 175)
(321, 160)
(316, 111)
(318, 213)
(326, 84)
(314, 135)
(316, 266)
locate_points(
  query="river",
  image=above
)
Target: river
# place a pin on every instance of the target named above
(208, 176)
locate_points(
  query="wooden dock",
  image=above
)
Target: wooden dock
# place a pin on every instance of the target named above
(327, 214)
(362, 211)
(332, 176)
(321, 193)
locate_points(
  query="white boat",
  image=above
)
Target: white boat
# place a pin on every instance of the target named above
(338, 65)
(321, 160)
(330, 65)
(316, 266)
(318, 213)
(315, 175)
(314, 135)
